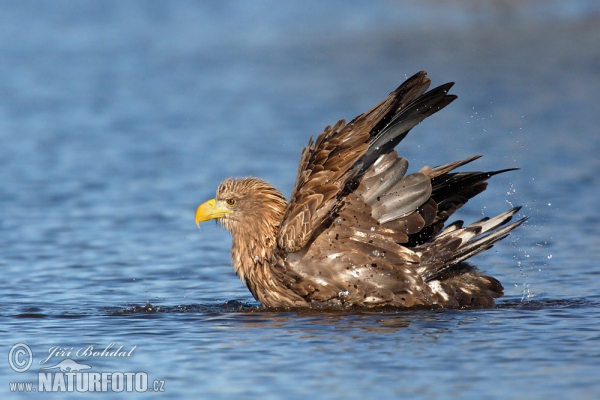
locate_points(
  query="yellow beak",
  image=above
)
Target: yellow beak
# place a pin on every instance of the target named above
(210, 210)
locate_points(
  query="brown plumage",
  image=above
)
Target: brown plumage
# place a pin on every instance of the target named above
(358, 231)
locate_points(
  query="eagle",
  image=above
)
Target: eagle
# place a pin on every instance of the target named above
(358, 231)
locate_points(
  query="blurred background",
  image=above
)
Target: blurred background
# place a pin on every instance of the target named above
(117, 118)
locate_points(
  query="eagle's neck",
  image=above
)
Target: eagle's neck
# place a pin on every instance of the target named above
(254, 245)
(252, 249)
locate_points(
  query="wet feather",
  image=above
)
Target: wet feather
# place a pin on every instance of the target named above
(359, 231)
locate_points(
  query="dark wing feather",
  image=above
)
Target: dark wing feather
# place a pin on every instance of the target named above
(450, 191)
(406, 119)
(340, 154)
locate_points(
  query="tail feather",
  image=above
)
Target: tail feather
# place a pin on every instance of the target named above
(451, 228)
(485, 242)
(456, 244)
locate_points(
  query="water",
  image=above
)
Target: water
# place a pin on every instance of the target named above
(118, 118)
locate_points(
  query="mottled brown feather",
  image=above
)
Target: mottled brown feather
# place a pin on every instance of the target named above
(359, 231)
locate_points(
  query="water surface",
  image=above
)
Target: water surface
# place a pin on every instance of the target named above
(118, 118)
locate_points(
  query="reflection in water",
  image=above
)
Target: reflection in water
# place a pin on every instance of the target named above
(382, 321)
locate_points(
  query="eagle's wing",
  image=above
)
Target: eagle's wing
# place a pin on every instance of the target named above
(332, 166)
(386, 243)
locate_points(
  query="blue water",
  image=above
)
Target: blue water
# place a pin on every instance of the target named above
(117, 118)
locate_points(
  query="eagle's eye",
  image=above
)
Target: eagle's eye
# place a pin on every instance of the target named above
(230, 202)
